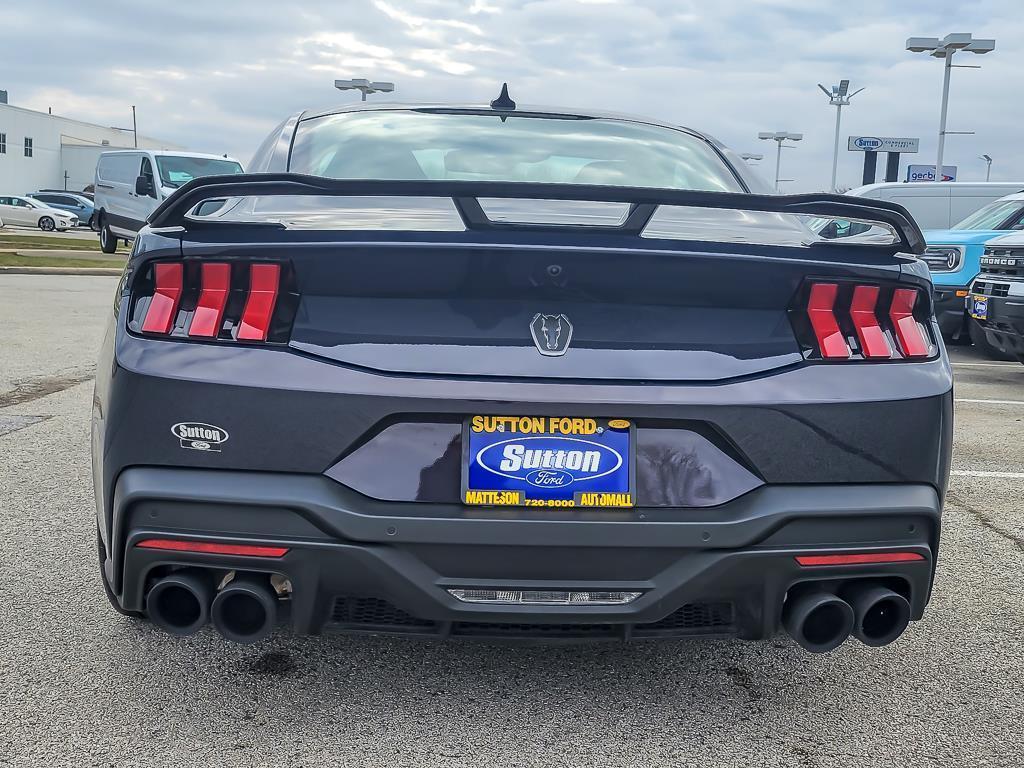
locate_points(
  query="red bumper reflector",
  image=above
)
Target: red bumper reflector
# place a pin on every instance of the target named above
(823, 320)
(259, 307)
(216, 283)
(163, 306)
(213, 548)
(908, 331)
(860, 559)
(872, 339)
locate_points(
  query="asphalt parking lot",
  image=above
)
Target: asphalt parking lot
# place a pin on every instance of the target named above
(81, 685)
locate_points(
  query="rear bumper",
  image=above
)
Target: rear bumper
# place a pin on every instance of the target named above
(361, 565)
(1004, 327)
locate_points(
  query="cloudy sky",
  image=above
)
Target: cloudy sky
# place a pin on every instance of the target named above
(217, 76)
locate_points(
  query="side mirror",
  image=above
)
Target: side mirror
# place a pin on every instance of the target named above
(144, 186)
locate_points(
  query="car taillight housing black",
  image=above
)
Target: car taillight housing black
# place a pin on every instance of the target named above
(234, 301)
(839, 321)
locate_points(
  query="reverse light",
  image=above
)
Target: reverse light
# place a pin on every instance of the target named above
(861, 558)
(213, 548)
(543, 597)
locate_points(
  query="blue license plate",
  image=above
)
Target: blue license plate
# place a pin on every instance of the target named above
(978, 307)
(544, 461)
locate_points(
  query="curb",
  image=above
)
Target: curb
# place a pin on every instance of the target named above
(104, 271)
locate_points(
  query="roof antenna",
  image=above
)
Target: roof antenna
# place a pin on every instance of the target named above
(503, 101)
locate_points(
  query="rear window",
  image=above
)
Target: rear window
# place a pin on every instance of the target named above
(408, 145)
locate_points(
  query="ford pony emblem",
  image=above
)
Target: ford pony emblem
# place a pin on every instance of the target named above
(551, 334)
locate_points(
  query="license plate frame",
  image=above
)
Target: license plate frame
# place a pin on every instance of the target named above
(977, 307)
(577, 439)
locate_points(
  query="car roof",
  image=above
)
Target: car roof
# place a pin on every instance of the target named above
(168, 153)
(922, 186)
(530, 110)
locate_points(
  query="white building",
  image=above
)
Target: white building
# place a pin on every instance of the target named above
(43, 151)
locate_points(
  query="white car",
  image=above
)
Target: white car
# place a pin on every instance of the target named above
(26, 212)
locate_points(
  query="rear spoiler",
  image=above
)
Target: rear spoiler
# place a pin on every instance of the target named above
(643, 202)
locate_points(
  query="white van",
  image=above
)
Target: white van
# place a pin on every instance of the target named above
(939, 204)
(131, 183)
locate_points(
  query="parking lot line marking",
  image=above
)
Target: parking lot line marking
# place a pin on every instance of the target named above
(981, 473)
(988, 365)
(993, 402)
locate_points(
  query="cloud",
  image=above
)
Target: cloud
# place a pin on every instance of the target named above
(218, 76)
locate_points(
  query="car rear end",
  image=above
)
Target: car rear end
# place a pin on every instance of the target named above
(996, 298)
(284, 418)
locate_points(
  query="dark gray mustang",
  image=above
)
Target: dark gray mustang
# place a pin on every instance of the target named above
(465, 372)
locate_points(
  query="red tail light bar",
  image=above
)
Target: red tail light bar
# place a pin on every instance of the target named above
(259, 307)
(213, 548)
(859, 558)
(854, 321)
(214, 300)
(163, 306)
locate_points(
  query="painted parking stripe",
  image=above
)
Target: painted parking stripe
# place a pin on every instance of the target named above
(980, 473)
(988, 365)
(992, 402)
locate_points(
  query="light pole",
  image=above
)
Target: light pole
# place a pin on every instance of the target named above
(838, 97)
(944, 49)
(988, 166)
(364, 86)
(779, 137)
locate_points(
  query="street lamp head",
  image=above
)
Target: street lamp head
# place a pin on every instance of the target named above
(981, 46)
(364, 85)
(986, 158)
(765, 135)
(957, 40)
(922, 44)
(793, 136)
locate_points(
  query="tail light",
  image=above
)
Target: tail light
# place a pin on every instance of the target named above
(858, 321)
(235, 300)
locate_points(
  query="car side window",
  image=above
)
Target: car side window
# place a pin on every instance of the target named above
(147, 169)
(5, 201)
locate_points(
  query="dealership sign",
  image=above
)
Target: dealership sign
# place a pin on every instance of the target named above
(927, 173)
(882, 144)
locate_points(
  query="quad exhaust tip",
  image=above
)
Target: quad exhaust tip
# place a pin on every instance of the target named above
(818, 621)
(880, 615)
(245, 611)
(180, 602)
